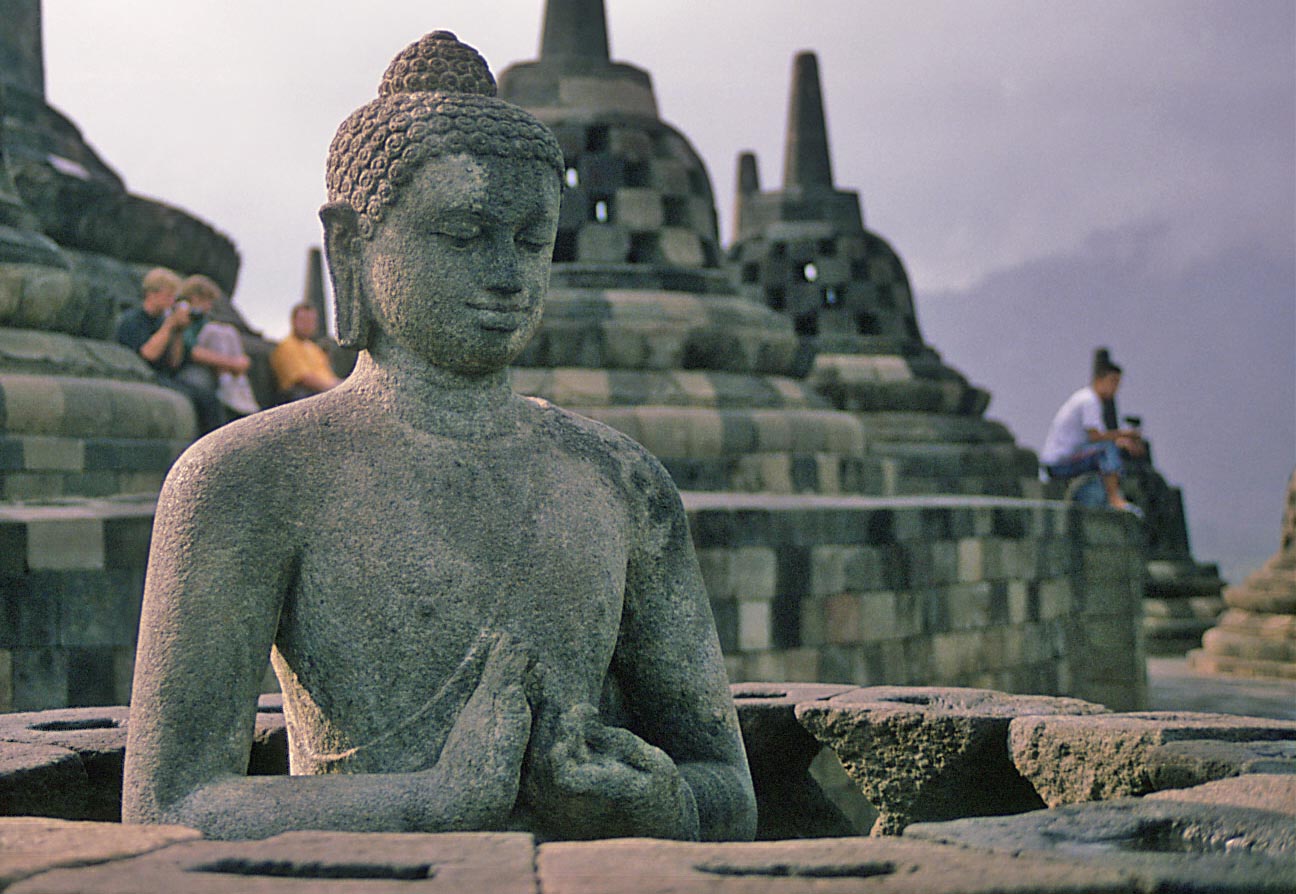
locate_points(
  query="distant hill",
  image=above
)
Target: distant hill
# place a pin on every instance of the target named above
(1208, 343)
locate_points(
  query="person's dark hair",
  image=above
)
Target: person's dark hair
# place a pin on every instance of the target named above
(1103, 365)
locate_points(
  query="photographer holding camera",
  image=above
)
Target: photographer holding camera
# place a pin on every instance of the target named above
(155, 331)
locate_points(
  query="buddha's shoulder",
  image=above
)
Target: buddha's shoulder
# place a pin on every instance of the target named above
(281, 437)
(599, 444)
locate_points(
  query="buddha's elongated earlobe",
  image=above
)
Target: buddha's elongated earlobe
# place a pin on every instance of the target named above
(342, 248)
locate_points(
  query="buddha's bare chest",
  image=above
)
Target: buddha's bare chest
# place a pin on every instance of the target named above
(405, 580)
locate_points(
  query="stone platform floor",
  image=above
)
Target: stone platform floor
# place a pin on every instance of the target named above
(1173, 686)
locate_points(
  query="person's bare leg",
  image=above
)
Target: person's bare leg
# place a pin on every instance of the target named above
(1111, 481)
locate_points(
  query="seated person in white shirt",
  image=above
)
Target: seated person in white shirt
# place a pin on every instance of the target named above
(1079, 443)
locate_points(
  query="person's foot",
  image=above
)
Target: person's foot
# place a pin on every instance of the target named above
(1127, 506)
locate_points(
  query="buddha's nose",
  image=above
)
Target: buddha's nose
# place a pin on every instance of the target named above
(502, 274)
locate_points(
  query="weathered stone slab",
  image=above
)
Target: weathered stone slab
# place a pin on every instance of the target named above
(30, 845)
(269, 755)
(822, 866)
(97, 735)
(41, 780)
(789, 802)
(1162, 845)
(1275, 793)
(931, 753)
(1178, 765)
(320, 862)
(1069, 760)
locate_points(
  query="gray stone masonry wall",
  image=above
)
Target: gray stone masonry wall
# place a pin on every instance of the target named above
(1016, 595)
(71, 576)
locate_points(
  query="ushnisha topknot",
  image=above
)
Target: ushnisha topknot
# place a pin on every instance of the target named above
(436, 98)
(438, 63)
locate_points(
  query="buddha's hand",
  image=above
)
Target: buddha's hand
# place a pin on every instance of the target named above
(474, 783)
(591, 780)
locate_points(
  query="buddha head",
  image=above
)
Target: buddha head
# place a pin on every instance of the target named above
(442, 211)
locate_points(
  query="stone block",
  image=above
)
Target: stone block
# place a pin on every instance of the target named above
(969, 606)
(844, 865)
(123, 673)
(41, 780)
(681, 248)
(31, 618)
(126, 541)
(6, 681)
(44, 454)
(32, 845)
(1104, 527)
(828, 569)
(773, 471)
(1118, 695)
(1055, 599)
(1069, 760)
(1259, 790)
(1154, 845)
(714, 564)
(34, 405)
(754, 626)
(811, 622)
(639, 209)
(1020, 602)
(606, 244)
(65, 544)
(324, 862)
(96, 735)
(1113, 566)
(842, 621)
(867, 569)
(753, 572)
(629, 142)
(779, 750)
(40, 678)
(1186, 763)
(665, 430)
(670, 176)
(878, 617)
(970, 551)
(1057, 559)
(269, 756)
(705, 434)
(580, 387)
(767, 665)
(95, 608)
(802, 665)
(927, 753)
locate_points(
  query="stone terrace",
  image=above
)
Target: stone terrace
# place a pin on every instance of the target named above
(1017, 595)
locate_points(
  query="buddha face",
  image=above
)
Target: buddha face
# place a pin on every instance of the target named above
(457, 270)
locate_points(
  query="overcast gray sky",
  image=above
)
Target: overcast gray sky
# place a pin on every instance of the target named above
(1127, 165)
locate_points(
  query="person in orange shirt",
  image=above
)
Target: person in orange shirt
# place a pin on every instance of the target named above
(300, 366)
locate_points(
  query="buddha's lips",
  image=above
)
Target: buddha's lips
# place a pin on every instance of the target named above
(500, 318)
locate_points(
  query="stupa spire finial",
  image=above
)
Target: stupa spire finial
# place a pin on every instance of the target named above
(806, 162)
(575, 28)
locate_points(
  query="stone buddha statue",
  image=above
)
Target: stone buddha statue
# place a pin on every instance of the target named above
(484, 611)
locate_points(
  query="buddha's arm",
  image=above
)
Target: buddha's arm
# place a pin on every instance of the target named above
(220, 562)
(670, 668)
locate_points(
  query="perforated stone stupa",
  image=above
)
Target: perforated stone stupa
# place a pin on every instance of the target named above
(85, 434)
(643, 329)
(803, 251)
